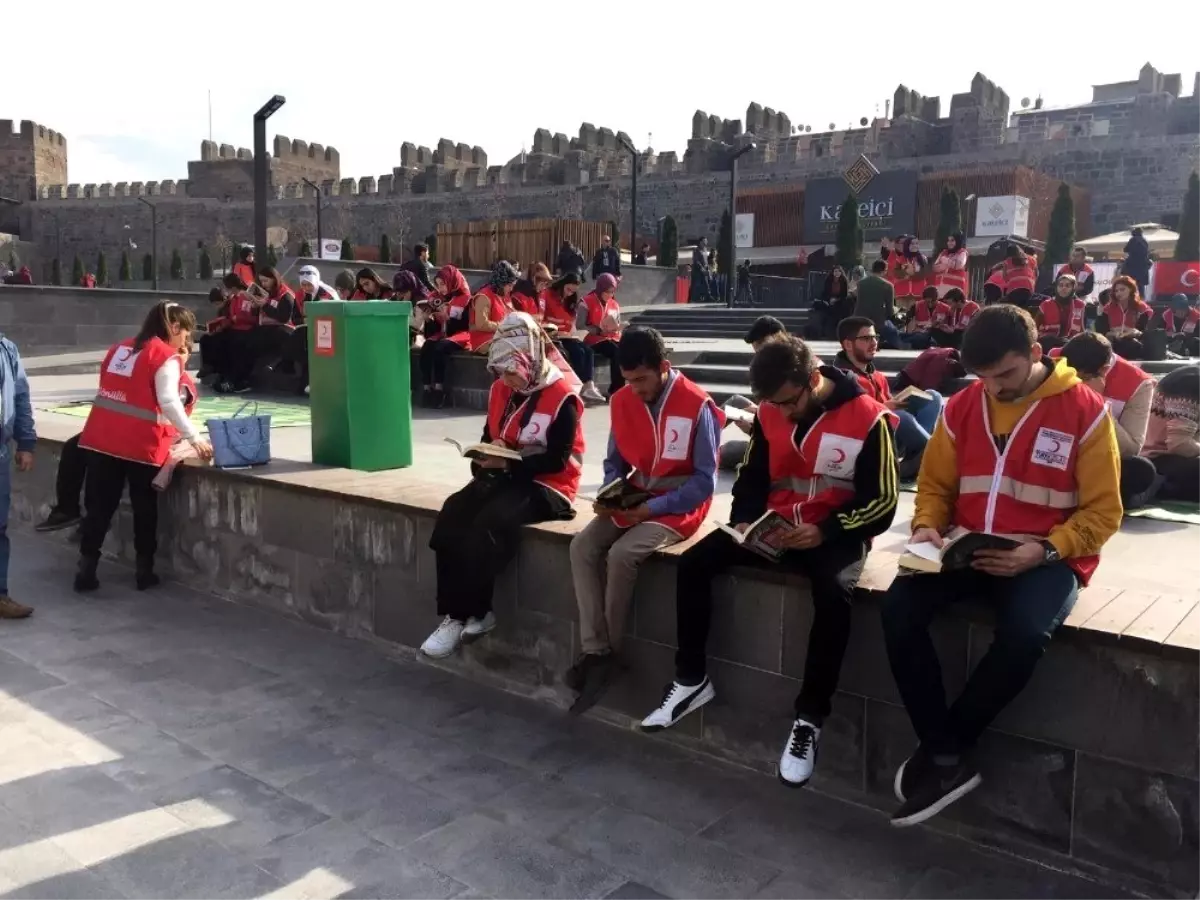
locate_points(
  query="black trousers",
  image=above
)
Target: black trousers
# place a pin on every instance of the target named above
(1137, 477)
(105, 483)
(433, 361)
(68, 483)
(215, 350)
(1181, 476)
(608, 349)
(475, 537)
(295, 351)
(580, 356)
(833, 571)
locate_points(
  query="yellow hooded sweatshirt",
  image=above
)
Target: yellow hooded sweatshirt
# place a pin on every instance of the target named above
(1097, 473)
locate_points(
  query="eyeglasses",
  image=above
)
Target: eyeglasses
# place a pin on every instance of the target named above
(791, 402)
(869, 338)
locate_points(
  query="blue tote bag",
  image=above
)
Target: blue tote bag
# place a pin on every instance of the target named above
(241, 440)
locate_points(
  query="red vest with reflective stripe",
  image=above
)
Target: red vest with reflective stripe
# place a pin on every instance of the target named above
(661, 451)
(874, 383)
(1121, 383)
(962, 316)
(925, 315)
(526, 304)
(556, 312)
(188, 392)
(1019, 277)
(809, 482)
(951, 278)
(1189, 324)
(498, 308)
(596, 311)
(517, 433)
(1127, 318)
(1052, 318)
(904, 285)
(125, 419)
(1030, 487)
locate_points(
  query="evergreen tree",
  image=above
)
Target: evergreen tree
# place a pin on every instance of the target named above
(668, 243)
(125, 273)
(305, 248)
(77, 271)
(56, 271)
(614, 231)
(1060, 234)
(101, 269)
(849, 240)
(347, 249)
(431, 242)
(13, 261)
(205, 266)
(176, 264)
(147, 268)
(725, 244)
(272, 256)
(1187, 248)
(385, 248)
(949, 219)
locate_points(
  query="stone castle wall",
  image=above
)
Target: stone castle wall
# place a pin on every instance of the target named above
(30, 155)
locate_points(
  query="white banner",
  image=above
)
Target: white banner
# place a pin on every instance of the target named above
(1105, 272)
(743, 230)
(1002, 216)
(331, 248)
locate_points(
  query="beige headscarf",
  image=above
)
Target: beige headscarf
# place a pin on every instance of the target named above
(519, 346)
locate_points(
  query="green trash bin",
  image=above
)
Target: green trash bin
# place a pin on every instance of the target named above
(360, 384)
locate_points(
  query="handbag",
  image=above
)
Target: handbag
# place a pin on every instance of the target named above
(241, 440)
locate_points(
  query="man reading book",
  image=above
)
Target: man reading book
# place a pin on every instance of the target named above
(664, 438)
(821, 456)
(1027, 451)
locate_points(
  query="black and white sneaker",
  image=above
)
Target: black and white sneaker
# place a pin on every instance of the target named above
(940, 786)
(799, 754)
(911, 771)
(678, 700)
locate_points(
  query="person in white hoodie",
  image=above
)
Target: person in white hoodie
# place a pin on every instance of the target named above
(312, 290)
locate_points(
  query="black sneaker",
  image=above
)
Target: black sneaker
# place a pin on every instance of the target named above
(598, 676)
(940, 787)
(224, 386)
(85, 576)
(58, 520)
(575, 676)
(242, 387)
(911, 771)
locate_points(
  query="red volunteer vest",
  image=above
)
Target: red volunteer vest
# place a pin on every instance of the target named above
(1121, 383)
(1019, 277)
(1081, 274)
(809, 482)
(1126, 318)
(264, 319)
(875, 383)
(526, 304)
(950, 278)
(925, 315)
(1030, 487)
(125, 420)
(962, 317)
(904, 285)
(1052, 318)
(943, 316)
(556, 312)
(518, 433)
(458, 308)
(1189, 325)
(498, 308)
(661, 451)
(188, 392)
(596, 311)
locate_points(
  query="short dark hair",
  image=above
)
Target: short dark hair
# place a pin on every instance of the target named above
(234, 282)
(955, 295)
(785, 361)
(345, 280)
(763, 328)
(849, 327)
(880, 265)
(418, 249)
(641, 346)
(1088, 353)
(996, 332)
(930, 293)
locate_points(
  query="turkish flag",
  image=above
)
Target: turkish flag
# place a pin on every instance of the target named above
(1171, 277)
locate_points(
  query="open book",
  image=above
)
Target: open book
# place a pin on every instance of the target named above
(763, 536)
(733, 414)
(256, 292)
(909, 392)
(479, 451)
(620, 494)
(955, 554)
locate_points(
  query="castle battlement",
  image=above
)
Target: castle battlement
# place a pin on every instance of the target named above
(286, 150)
(31, 131)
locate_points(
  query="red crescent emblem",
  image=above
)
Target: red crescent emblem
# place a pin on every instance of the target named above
(535, 428)
(840, 457)
(674, 436)
(1057, 446)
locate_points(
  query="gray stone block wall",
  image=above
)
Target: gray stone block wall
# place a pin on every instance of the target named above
(1094, 767)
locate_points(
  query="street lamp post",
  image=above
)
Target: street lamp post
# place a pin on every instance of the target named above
(153, 238)
(316, 187)
(733, 166)
(262, 172)
(633, 201)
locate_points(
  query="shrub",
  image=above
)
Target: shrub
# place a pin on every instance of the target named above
(849, 238)
(1187, 248)
(205, 263)
(347, 249)
(125, 273)
(77, 271)
(668, 243)
(56, 271)
(176, 264)
(101, 269)
(147, 268)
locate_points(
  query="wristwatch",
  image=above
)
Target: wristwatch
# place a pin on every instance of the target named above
(1050, 554)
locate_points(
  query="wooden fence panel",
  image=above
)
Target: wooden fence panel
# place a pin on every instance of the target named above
(476, 245)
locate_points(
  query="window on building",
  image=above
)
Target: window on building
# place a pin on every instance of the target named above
(1056, 131)
(1100, 127)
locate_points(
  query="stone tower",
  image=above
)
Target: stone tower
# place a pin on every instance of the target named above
(31, 156)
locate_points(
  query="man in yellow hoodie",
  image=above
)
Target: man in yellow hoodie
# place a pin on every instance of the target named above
(1028, 451)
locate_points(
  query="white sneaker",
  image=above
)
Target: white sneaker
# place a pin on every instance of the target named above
(677, 702)
(477, 628)
(591, 395)
(444, 640)
(799, 754)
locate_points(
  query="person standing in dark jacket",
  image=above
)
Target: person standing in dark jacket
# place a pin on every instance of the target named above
(607, 259)
(420, 266)
(701, 278)
(1137, 260)
(569, 261)
(639, 258)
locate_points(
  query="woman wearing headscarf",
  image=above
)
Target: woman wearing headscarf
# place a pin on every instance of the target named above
(491, 305)
(561, 304)
(312, 290)
(533, 410)
(527, 292)
(950, 267)
(604, 326)
(369, 286)
(407, 286)
(244, 267)
(446, 332)
(906, 265)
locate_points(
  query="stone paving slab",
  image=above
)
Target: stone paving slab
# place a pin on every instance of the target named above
(168, 744)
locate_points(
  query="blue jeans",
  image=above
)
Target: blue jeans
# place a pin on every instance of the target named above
(889, 337)
(6, 463)
(1029, 608)
(919, 340)
(917, 420)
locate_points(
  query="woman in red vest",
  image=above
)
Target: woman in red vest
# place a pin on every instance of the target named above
(369, 286)
(950, 267)
(1124, 318)
(1181, 321)
(1020, 276)
(906, 263)
(560, 303)
(1060, 318)
(491, 305)
(604, 326)
(527, 293)
(244, 267)
(445, 332)
(136, 416)
(532, 410)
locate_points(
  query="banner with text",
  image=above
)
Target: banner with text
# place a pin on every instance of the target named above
(1002, 216)
(887, 207)
(744, 230)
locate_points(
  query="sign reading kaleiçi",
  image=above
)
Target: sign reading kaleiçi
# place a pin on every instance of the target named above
(887, 203)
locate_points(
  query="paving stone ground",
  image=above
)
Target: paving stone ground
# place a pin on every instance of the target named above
(168, 744)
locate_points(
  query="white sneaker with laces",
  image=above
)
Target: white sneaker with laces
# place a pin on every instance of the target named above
(444, 640)
(477, 628)
(592, 395)
(677, 702)
(799, 754)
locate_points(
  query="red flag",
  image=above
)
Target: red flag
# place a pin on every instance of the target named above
(1171, 277)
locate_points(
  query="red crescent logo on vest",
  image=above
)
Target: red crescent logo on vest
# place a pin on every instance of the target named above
(1057, 445)
(674, 436)
(535, 429)
(840, 458)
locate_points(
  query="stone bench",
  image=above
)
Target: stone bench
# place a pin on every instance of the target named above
(1093, 767)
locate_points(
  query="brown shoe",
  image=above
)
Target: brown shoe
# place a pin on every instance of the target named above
(11, 609)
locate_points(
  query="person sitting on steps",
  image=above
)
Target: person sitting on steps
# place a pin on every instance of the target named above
(765, 328)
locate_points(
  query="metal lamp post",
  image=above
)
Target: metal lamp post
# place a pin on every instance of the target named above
(316, 187)
(153, 237)
(633, 201)
(733, 166)
(262, 171)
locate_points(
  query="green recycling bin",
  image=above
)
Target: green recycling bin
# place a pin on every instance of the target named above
(360, 384)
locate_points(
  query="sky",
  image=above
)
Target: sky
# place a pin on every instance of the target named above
(128, 83)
